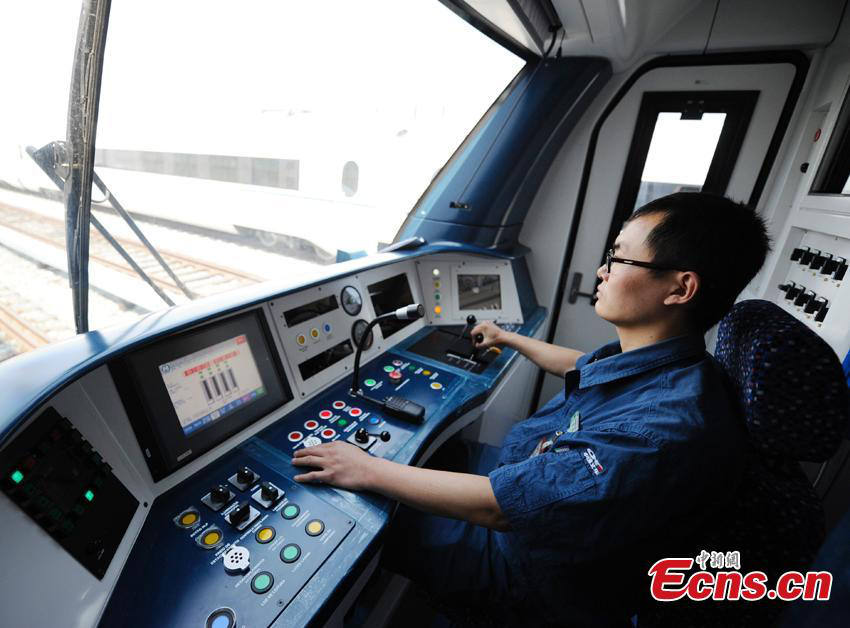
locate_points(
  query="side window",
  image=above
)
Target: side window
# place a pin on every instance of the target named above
(683, 142)
(350, 178)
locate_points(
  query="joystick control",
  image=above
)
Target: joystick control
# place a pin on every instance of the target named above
(362, 436)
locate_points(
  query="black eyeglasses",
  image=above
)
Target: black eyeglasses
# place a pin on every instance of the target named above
(610, 259)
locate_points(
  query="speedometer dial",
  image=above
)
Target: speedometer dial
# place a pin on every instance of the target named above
(352, 302)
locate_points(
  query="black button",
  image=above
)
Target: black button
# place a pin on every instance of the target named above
(796, 254)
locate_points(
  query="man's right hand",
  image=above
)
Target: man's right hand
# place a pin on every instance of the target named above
(494, 336)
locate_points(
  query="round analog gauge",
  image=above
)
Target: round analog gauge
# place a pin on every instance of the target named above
(357, 330)
(352, 302)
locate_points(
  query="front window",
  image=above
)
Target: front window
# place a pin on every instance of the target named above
(248, 141)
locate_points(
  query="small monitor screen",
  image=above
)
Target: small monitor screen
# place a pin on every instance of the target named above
(387, 296)
(209, 384)
(479, 292)
(310, 310)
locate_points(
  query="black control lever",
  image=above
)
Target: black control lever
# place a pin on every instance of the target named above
(395, 406)
(362, 436)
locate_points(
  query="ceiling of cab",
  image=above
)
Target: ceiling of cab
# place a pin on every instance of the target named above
(624, 31)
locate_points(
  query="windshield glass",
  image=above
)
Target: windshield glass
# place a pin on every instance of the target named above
(251, 141)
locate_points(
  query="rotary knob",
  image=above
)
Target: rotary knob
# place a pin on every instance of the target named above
(244, 475)
(268, 491)
(219, 494)
(240, 514)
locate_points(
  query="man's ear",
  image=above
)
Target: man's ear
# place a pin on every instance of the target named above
(685, 287)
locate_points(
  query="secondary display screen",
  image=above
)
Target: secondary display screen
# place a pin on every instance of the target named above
(209, 384)
(479, 292)
(387, 296)
(310, 310)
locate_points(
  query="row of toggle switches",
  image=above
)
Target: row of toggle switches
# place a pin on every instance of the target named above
(807, 299)
(816, 259)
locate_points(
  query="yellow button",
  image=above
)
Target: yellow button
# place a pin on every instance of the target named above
(300, 339)
(189, 518)
(212, 538)
(426, 373)
(437, 309)
(264, 535)
(315, 527)
(436, 285)
(436, 385)
(314, 332)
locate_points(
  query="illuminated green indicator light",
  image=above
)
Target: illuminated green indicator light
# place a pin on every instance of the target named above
(411, 368)
(370, 382)
(389, 369)
(89, 496)
(342, 422)
(17, 476)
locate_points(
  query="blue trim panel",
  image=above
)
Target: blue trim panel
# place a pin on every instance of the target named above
(30, 379)
(493, 177)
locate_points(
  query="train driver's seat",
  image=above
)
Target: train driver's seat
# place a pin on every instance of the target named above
(794, 402)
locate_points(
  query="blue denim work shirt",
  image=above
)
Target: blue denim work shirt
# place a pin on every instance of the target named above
(628, 456)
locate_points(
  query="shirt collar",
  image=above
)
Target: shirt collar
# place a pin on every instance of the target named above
(609, 363)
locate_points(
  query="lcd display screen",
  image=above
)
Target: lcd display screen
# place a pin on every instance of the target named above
(310, 310)
(479, 292)
(209, 384)
(387, 296)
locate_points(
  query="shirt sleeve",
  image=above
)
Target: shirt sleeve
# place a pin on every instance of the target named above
(596, 488)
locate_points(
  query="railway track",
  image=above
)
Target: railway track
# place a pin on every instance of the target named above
(201, 277)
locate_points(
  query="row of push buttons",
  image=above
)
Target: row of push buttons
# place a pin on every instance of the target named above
(301, 339)
(296, 436)
(395, 374)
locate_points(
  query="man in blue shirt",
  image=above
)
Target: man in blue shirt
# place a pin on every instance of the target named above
(610, 475)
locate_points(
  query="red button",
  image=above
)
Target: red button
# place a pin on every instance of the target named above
(311, 424)
(339, 405)
(395, 375)
(295, 436)
(325, 414)
(328, 433)
(355, 412)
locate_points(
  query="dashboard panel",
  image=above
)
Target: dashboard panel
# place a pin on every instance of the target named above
(198, 424)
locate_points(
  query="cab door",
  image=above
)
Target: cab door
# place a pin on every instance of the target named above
(714, 125)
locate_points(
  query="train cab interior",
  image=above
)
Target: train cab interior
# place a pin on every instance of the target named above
(233, 231)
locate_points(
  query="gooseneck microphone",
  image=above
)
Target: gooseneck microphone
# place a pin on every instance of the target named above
(395, 406)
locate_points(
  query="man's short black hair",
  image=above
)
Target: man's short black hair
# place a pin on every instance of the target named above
(724, 242)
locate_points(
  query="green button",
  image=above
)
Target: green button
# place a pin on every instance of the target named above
(389, 369)
(370, 382)
(89, 496)
(342, 422)
(436, 296)
(17, 476)
(262, 582)
(290, 553)
(412, 367)
(290, 511)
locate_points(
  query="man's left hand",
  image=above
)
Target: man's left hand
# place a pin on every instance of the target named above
(340, 464)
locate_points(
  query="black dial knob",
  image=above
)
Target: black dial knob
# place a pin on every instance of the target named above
(219, 494)
(385, 436)
(240, 513)
(361, 435)
(471, 320)
(268, 491)
(244, 475)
